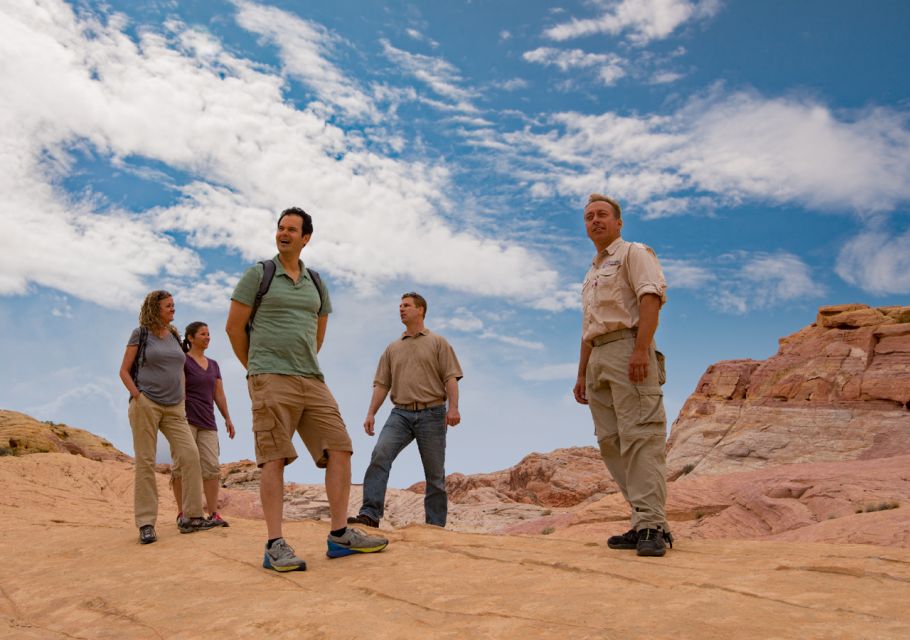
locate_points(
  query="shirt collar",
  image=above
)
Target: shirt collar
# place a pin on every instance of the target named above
(279, 268)
(422, 332)
(612, 248)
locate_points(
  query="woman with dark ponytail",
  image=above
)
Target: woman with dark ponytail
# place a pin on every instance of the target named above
(203, 390)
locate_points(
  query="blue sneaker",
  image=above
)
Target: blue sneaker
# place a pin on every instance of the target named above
(280, 557)
(354, 541)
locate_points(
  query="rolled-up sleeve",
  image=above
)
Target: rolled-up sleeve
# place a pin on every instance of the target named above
(645, 274)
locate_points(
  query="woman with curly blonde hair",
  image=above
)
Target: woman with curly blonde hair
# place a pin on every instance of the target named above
(152, 371)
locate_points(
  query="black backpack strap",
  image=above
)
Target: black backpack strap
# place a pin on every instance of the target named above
(317, 281)
(268, 273)
(140, 354)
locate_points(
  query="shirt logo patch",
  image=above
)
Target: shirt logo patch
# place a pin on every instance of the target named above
(612, 263)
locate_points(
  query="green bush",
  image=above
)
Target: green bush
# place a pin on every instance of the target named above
(548, 531)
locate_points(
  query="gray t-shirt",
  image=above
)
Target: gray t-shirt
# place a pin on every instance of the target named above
(160, 377)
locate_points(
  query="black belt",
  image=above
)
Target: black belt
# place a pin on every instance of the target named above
(613, 336)
(419, 406)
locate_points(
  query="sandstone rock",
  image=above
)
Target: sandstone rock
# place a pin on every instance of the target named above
(94, 580)
(861, 501)
(21, 435)
(561, 478)
(836, 390)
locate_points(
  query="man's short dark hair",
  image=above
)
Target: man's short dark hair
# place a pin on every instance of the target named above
(419, 301)
(307, 227)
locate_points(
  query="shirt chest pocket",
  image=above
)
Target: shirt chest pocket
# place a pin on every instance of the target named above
(606, 292)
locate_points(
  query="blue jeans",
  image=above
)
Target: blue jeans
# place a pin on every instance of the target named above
(428, 427)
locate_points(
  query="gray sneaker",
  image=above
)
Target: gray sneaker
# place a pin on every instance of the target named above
(281, 557)
(354, 541)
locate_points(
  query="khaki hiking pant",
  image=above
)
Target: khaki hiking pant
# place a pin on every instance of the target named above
(631, 429)
(147, 418)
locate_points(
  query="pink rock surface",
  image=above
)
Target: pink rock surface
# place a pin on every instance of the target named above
(73, 568)
(561, 478)
(838, 389)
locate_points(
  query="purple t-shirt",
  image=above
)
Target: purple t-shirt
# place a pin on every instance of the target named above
(200, 393)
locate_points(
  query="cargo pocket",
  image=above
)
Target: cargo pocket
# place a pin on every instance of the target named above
(651, 406)
(264, 424)
(661, 367)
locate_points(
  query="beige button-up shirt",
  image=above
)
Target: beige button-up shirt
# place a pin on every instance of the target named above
(416, 368)
(619, 276)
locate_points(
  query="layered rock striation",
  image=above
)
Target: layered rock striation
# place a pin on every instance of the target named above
(561, 478)
(21, 434)
(836, 390)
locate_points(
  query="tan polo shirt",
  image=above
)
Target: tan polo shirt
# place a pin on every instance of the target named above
(416, 368)
(619, 276)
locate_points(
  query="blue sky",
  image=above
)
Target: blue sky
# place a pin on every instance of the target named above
(762, 149)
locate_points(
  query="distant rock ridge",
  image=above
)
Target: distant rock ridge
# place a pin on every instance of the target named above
(21, 434)
(836, 390)
(561, 478)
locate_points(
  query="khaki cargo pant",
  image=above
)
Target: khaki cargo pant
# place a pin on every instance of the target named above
(147, 418)
(631, 429)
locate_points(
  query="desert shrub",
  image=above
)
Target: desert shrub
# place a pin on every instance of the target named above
(689, 468)
(548, 531)
(6, 451)
(546, 512)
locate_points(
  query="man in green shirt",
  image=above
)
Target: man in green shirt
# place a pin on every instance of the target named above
(288, 392)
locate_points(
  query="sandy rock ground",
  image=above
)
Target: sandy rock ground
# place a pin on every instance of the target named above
(72, 568)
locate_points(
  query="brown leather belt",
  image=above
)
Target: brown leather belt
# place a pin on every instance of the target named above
(419, 406)
(613, 336)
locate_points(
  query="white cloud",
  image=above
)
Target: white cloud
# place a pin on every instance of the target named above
(724, 149)
(461, 320)
(84, 86)
(465, 321)
(683, 274)
(877, 261)
(437, 73)
(513, 84)
(762, 281)
(741, 281)
(642, 20)
(420, 37)
(304, 46)
(609, 66)
(666, 77)
(62, 308)
(211, 292)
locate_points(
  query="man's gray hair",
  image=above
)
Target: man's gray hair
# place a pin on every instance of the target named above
(599, 197)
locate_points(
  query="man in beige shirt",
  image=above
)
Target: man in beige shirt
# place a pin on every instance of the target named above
(620, 373)
(422, 372)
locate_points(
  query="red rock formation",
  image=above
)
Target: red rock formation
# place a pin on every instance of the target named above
(861, 501)
(836, 390)
(561, 478)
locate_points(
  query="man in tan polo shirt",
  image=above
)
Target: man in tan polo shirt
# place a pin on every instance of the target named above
(422, 372)
(620, 372)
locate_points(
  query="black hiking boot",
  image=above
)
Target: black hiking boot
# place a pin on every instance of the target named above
(628, 540)
(653, 542)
